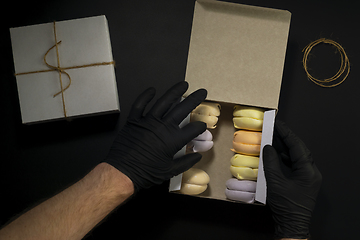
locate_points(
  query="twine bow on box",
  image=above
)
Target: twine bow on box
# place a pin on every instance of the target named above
(61, 70)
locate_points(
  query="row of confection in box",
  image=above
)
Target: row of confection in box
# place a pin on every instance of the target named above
(235, 54)
(246, 144)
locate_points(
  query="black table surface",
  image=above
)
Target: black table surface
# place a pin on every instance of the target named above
(150, 41)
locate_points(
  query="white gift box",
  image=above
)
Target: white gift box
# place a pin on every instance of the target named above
(81, 62)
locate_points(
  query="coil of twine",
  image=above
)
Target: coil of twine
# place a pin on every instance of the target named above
(343, 71)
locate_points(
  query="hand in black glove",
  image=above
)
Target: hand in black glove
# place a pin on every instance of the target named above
(144, 148)
(293, 182)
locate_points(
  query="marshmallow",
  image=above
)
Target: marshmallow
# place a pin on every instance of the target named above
(251, 112)
(246, 197)
(244, 173)
(250, 118)
(201, 143)
(247, 142)
(246, 145)
(241, 185)
(240, 190)
(207, 112)
(241, 160)
(205, 136)
(194, 181)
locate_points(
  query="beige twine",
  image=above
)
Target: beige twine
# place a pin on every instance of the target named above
(61, 70)
(344, 67)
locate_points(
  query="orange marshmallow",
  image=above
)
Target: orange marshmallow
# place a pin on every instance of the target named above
(247, 142)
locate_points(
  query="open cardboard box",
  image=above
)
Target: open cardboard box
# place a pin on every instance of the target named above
(237, 53)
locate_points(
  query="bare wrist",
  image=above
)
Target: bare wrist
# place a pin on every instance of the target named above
(117, 179)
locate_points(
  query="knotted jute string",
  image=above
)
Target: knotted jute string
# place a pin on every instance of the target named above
(344, 67)
(61, 70)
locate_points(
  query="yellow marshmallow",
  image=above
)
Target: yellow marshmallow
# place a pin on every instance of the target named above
(250, 118)
(209, 120)
(208, 109)
(252, 112)
(195, 176)
(244, 173)
(192, 189)
(248, 123)
(207, 112)
(240, 160)
(194, 181)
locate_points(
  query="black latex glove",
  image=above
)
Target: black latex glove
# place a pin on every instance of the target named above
(293, 182)
(145, 147)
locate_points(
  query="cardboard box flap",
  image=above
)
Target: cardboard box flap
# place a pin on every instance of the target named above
(237, 52)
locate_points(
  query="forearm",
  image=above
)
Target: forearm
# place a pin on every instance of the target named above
(72, 213)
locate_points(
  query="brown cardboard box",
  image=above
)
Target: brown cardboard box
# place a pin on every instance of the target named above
(237, 53)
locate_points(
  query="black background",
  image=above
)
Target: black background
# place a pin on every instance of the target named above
(150, 40)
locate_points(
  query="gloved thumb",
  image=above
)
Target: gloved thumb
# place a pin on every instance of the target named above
(271, 163)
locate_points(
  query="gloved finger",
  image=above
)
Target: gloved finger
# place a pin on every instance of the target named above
(282, 150)
(180, 111)
(185, 162)
(191, 131)
(317, 177)
(279, 144)
(141, 102)
(297, 148)
(303, 166)
(271, 163)
(306, 173)
(164, 103)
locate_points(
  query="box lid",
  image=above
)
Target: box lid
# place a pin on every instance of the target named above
(237, 52)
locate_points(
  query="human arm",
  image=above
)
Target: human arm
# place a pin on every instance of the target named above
(293, 182)
(72, 213)
(141, 156)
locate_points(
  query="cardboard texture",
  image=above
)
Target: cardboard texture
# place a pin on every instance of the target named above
(83, 41)
(237, 53)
